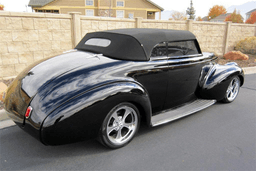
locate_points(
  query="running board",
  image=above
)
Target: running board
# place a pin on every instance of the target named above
(180, 112)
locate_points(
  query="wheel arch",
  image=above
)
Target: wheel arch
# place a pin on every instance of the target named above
(145, 112)
(88, 110)
(241, 80)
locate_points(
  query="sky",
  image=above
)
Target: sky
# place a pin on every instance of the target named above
(201, 6)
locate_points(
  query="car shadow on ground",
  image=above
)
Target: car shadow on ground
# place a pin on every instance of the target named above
(19, 142)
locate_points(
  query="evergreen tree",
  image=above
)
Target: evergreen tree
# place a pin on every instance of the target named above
(191, 11)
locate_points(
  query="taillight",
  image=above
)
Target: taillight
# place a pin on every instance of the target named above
(28, 112)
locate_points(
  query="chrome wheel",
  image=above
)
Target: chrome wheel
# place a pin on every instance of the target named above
(232, 90)
(120, 125)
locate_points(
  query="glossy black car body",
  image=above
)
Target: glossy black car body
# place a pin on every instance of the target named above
(71, 94)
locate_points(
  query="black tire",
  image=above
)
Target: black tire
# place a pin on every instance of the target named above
(232, 90)
(120, 125)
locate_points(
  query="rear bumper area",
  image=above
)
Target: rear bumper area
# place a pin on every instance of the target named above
(26, 124)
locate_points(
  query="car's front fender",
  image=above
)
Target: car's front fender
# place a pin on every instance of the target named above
(81, 117)
(215, 78)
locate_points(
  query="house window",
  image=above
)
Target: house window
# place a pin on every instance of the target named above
(48, 11)
(89, 2)
(89, 12)
(119, 14)
(120, 3)
(131, 15)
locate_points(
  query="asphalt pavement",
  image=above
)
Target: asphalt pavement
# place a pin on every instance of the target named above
(221, 137)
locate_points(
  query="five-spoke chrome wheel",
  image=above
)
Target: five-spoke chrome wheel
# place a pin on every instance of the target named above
(120, 125)
(232, 90)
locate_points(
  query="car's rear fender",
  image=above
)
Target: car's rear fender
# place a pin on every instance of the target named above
(81, 117)
(215, 78)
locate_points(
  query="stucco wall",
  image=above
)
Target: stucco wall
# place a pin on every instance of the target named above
(26, 38)
(211, 36)
(238, 32)
(176, 25)
(29, 37)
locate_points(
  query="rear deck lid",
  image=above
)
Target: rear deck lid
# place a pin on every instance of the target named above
(43, 73)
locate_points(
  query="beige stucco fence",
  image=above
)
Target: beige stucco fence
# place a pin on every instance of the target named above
(29, 37)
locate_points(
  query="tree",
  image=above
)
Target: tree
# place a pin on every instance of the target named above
(199, 19)
(1, 7)
(234, 17)
(252, 18)
(176, 15)
(191, 11)
(216, 10)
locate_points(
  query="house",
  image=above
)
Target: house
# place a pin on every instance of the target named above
(205, 18)
(220, 18)
(248, 14)
(105, 8)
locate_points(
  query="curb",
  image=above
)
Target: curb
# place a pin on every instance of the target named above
(6, 124)
(3, 115)
(249, 70)
(5, 121)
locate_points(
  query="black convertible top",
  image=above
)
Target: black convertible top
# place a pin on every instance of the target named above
(132, 44)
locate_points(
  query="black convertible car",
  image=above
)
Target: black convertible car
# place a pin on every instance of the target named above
(114, 79)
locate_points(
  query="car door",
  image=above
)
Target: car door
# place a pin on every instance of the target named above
(153, 76)
(184, 72)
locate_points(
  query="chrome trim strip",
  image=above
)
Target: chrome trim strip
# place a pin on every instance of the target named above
(175, 57)
(158, 58)
(186, 60)
(185, 56)
(178, 64)
(72, 50)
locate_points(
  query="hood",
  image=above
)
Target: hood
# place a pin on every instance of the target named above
(39, 75)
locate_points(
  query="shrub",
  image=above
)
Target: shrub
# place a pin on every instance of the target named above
(248, 45)
(236, 55)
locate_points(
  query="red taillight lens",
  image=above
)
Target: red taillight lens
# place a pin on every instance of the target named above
(28, 112)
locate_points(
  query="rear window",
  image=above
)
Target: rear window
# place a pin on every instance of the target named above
(98, 42)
